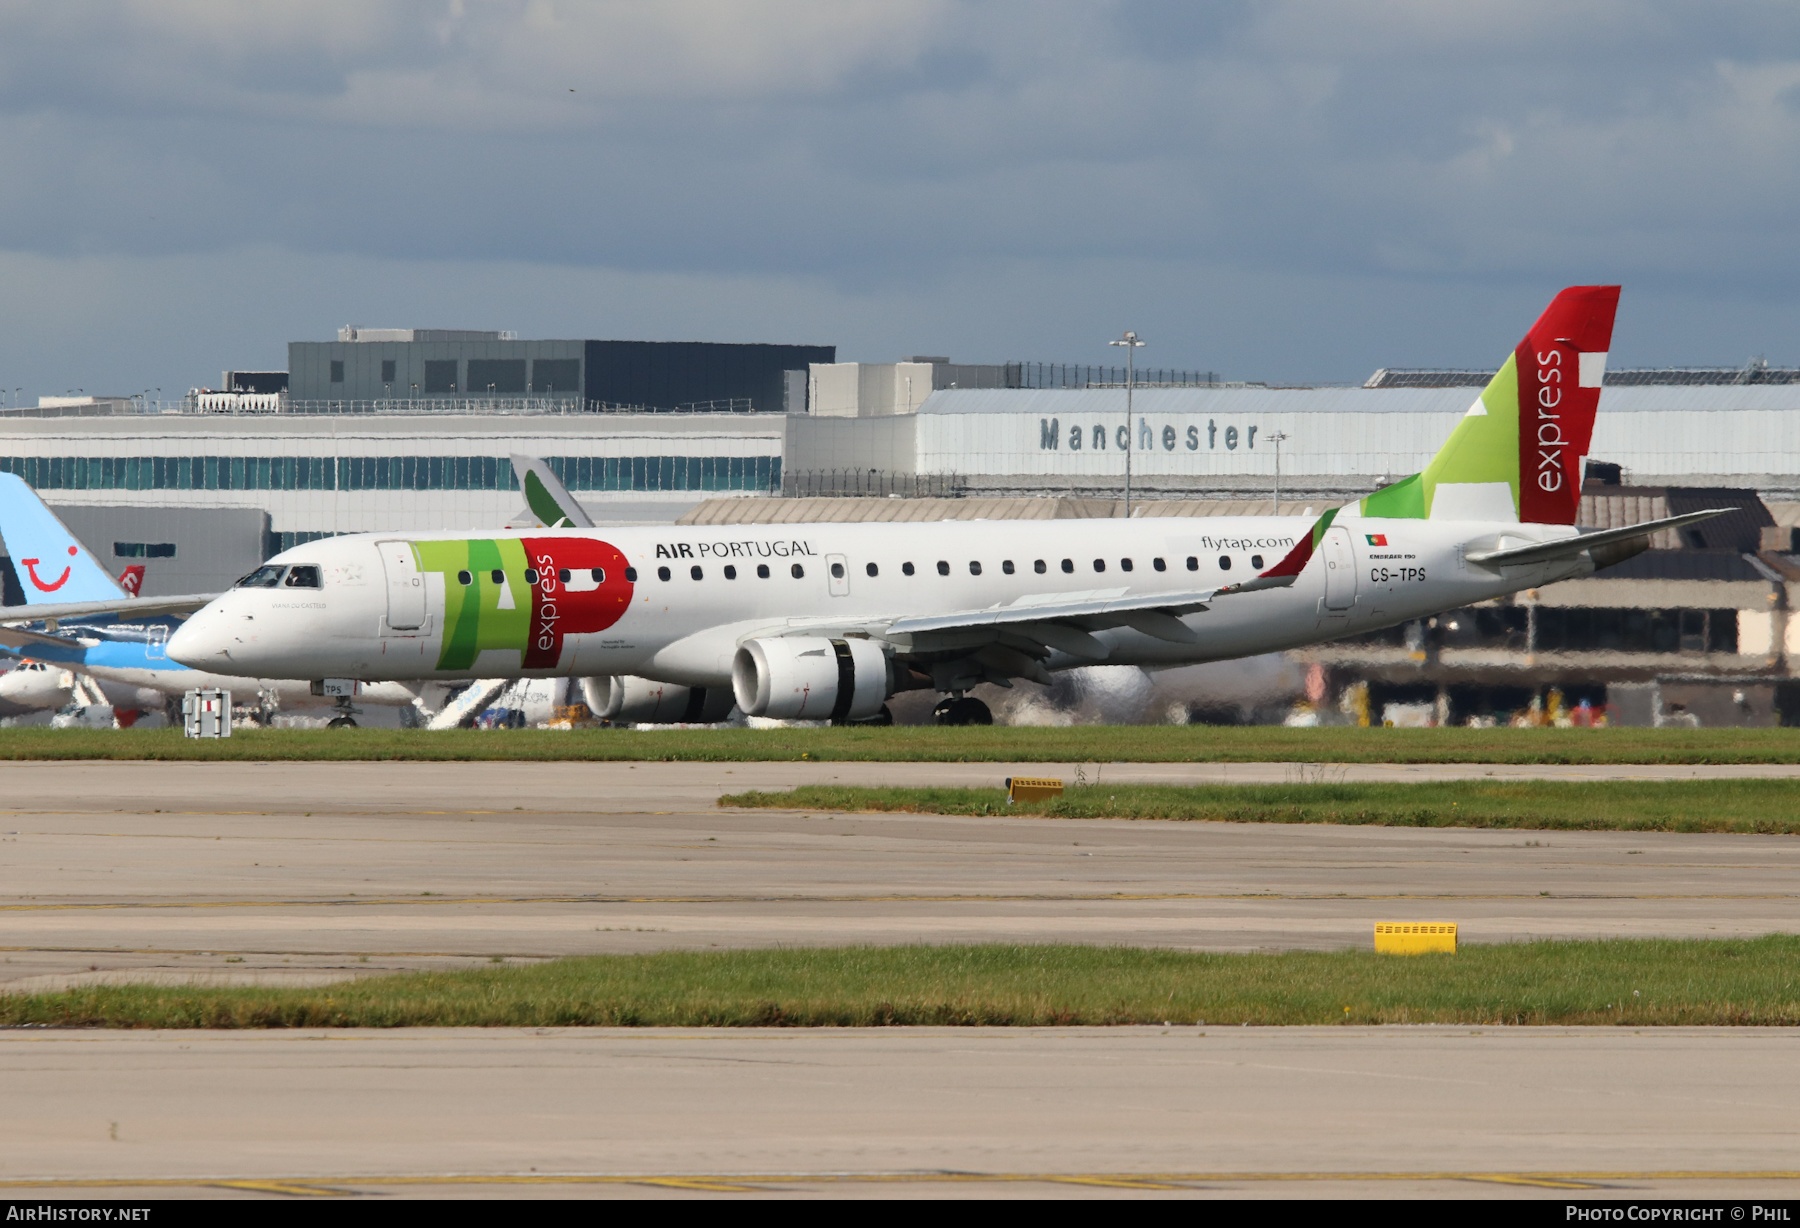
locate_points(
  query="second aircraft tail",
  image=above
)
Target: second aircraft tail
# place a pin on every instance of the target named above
(53, 567)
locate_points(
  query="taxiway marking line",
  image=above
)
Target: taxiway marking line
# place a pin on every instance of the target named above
(222, 950)
(314, 1187)
(970, 898)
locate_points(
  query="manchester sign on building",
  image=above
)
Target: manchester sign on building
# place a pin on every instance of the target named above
(1329, 439)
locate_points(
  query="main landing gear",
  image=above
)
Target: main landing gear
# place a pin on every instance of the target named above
(962, 710)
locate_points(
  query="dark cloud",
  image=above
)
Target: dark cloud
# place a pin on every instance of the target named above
(1377, 182)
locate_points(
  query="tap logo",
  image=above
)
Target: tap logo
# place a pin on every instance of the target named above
(38, 583)
(525, 594)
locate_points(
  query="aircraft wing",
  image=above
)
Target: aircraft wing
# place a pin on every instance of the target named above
(1565, 547)
(1064, 620)
(125, 607)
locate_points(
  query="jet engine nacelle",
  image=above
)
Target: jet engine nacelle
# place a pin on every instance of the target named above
(632, 700)
(811, 678)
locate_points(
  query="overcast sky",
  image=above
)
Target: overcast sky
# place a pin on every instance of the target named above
(1284, 191)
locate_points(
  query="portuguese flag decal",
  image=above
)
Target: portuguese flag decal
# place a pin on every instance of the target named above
(1376, 539)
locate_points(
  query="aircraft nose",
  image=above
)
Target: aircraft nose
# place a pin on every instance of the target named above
(198, 642)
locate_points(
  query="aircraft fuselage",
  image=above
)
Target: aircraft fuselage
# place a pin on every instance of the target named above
(674, 603)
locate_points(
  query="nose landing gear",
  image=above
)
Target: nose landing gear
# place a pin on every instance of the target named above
(962, 710)
(346, 715)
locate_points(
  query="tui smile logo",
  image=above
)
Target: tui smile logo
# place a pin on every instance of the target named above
(31, 570)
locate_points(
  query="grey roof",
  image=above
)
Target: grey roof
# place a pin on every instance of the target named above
(1051, 401)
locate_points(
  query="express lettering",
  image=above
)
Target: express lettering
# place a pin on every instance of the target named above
(545, 613)
(1550, 439)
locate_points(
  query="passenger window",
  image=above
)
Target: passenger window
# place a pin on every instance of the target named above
(531, 576)
(599, 574)
(630, 575)
(762, 571)
(1256, 561)
(799, 571)
(262, 577)
(695, 572)
(1006, 566)
(562, 574)
(497, 576)
(1099, 564)
(465, 578)
(837, 571)
(662, 573)
(1159, 564)
(1124, 564)
(1193, 563)
(872, 569)
(974, 568)
(303, 577)
(943, 568)
(906, 569)
(1069, 566)
(730, 572)
(1224, 562)
(1039, 567)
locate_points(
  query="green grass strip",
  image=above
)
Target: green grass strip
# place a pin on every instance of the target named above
(1633, 983)
(1769, 807)
(1075, 744)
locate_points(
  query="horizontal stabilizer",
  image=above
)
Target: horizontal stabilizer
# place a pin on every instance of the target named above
(1568, 547)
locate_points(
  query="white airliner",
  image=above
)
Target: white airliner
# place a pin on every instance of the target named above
(125, 659)
(829, 620)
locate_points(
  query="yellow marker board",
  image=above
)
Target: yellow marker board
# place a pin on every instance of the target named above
(1414, 937)
(1032, 788)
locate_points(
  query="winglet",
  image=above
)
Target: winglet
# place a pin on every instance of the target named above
(546, 496)
(1295, 560)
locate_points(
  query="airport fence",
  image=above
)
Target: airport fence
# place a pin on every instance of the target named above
(262, 405)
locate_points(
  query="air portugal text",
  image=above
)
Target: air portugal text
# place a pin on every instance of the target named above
(734, 550)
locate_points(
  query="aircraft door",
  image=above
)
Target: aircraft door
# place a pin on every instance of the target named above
(838, 569)
(405, 586)
(1340, 570)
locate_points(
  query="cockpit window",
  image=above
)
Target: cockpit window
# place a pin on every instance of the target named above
(302, 577)
(262, 577)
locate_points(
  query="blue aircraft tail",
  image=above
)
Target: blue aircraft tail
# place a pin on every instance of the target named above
(52, 566)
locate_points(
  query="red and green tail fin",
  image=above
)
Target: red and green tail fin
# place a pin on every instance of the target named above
(1517, 453)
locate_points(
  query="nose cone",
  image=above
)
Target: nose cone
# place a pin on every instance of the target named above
(201, 641)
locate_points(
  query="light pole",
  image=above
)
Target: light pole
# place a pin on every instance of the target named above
(1278, 436)
(1132, 345)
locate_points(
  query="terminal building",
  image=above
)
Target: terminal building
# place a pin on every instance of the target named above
(412, 430)
(437, 369)
(1240, 441)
